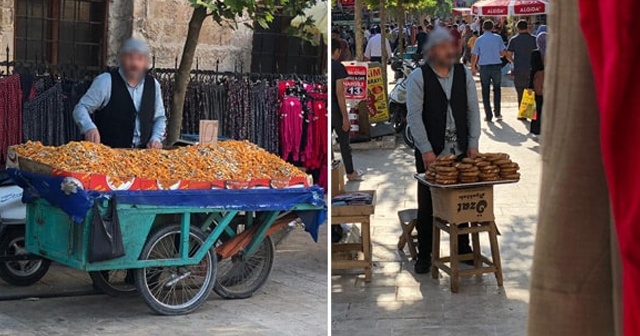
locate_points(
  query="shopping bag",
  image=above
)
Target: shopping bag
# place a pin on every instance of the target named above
(105, 238)
(528, 105)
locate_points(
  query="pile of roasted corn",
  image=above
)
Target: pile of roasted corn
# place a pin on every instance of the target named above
(230, 160)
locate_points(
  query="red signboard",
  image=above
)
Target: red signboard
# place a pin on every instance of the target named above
(530, 9)
(355, 86)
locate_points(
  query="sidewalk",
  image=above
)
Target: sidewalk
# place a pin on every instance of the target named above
(400, 302)
(293, 302)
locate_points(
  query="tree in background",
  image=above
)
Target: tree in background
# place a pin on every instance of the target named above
(226, 13)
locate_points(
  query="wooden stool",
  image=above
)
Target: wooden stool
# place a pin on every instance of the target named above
(408, 219)
(341, 254)
(482, 264)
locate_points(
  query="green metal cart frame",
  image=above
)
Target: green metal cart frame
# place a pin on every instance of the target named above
(168, 248)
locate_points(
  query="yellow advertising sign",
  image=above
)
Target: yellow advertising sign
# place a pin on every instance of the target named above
(376, 96)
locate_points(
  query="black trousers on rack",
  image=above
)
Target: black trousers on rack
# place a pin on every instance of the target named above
(424, 226)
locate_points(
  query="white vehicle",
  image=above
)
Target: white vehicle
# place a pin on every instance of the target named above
(398, 98)
(17, 267)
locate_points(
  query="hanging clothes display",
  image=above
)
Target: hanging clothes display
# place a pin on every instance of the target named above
(238, 120)
(264, 103)
(43, 118)
(10, 114)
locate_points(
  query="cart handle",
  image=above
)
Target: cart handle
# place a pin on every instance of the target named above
(241, 241)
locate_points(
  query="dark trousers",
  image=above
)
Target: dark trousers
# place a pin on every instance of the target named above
(424, 226)
(343, 140)
(376, 59)
(491, 75)
(536, 125)
(521, 82)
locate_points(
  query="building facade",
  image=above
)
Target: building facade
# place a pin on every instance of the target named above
(88, 33)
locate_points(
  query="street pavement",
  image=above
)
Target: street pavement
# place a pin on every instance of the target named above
(292, 303)
(399, 302)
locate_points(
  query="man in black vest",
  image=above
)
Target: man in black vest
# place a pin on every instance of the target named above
(123, 108)
(444, 119)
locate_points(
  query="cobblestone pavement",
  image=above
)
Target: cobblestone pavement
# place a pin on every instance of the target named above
(400, 302)
(293, 302)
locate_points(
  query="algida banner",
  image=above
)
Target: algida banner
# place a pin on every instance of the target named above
(376, 96)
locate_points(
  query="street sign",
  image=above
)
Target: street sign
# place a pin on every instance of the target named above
(355, 86)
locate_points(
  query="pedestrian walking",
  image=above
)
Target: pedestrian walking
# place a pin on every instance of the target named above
(486, 54)
(467, 34)
(373, 52)
(444, 119)
(537, 80)
(345, 51)
(519, 54)
(339, 114)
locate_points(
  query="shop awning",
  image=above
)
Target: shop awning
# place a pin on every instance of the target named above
(510, 7)
(461, 11)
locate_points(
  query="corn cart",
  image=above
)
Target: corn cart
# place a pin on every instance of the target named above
(179, 245)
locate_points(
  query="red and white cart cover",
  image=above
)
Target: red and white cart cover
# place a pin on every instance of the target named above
(510, 7)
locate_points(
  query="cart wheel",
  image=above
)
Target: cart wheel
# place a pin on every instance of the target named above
(175, 290)
(240, 276)
(114, 282)
(21, 272)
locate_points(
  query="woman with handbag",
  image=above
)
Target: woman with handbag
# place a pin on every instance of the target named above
(537, 80)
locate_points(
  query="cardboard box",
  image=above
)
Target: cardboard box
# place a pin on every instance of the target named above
(463, 205)
(356, 210)
(337, 180)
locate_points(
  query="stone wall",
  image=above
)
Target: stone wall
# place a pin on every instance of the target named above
(119, 27)
(163, 24)
(6, 28)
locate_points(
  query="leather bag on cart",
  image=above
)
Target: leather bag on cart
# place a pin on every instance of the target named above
(106, 237)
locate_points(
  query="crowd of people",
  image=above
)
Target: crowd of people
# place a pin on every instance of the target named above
(442, 103)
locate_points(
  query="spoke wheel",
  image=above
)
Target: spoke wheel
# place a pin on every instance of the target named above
(20, 272)
(114, 282)
(240, 276)
(175, 290)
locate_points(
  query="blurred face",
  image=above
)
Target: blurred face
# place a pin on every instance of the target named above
(443, 54)
(134, 64)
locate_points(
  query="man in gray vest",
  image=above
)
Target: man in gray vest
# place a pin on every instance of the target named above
(444, 119)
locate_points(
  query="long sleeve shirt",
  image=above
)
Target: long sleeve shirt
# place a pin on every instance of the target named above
(415, 102)
(374, 47)
(98, 95)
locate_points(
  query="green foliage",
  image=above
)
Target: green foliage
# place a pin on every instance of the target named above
(262, 12)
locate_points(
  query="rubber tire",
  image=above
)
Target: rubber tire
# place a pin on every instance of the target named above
(102, 285)
(399, 116)
(408, 138)
(139, 275)
(262, 279)
(9, 276)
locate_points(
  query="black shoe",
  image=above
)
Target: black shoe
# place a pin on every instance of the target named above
(487, 119)
(423, 265)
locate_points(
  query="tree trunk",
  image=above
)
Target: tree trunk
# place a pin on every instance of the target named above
(401, 12)
(571, 280)
(357, 11)
(383, 41)
(183, 74)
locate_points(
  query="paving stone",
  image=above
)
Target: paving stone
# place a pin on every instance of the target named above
(424, 306)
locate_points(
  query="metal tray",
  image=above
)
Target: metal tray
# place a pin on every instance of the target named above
(421, 179)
